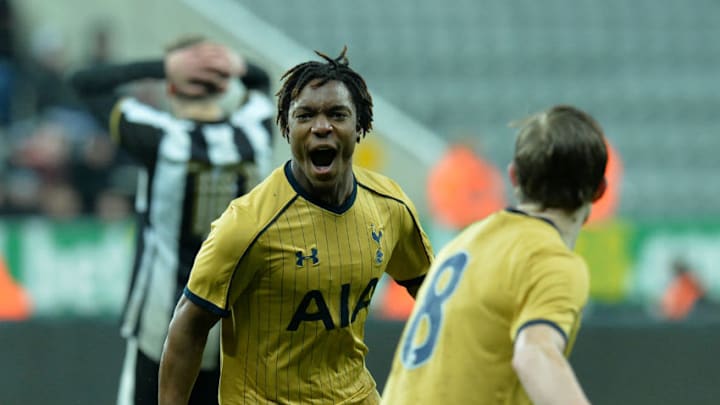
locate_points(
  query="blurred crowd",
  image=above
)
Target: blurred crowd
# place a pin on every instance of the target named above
(55, 160)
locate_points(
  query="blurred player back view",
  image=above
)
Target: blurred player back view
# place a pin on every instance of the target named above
(501, 305)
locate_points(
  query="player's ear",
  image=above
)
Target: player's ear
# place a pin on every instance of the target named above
(600, 191)
(512, 173)
(171, 89)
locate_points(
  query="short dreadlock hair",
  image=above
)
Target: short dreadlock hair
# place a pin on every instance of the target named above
(338, 69)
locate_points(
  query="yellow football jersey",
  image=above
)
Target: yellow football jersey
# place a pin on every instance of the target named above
(506, 272)
(293, 279)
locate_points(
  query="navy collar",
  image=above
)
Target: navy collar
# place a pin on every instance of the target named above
(304, 194)
(517, 211)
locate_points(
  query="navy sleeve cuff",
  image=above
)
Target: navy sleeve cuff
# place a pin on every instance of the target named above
(543, 322)
(206, 305)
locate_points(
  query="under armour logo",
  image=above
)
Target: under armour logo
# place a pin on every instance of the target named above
(379, 255)
(300, 257)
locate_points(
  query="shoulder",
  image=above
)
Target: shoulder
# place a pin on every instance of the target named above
(380, 185)
(560, 266)
(534, 241)
(545, 247)
(266, 201)
(257, 107)
(137, 124)
(134, 111)
(249, 216)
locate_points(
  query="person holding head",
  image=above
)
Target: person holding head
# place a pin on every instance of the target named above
(291, 266)
(501, 306)
(194, 160)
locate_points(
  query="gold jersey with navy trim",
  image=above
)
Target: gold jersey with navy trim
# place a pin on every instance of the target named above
(293, 279)
(498, 276)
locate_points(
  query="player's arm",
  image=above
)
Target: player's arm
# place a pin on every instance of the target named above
(411, 260)
(251, 75)
(553, 294)
(542, 368)
(98, 86)
(255, 78)
(412, 286)
(413, 291)
(186, 68)
(182, 354)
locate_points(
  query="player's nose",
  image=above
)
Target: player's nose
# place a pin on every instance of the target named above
(321, 126)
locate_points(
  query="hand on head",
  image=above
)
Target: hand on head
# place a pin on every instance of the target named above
(201, 69)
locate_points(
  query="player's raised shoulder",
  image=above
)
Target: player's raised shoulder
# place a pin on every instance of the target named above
(265, 200)
(379, 184)
(246, 217)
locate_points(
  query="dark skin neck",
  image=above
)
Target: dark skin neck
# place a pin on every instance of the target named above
(331, 194)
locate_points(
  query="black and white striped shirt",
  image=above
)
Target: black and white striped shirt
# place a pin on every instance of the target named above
(191, 170)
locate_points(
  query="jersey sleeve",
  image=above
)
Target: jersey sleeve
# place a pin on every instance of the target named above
(98, 86)
(215, 271)
(554, 293)
(412, 256)
(138, 128)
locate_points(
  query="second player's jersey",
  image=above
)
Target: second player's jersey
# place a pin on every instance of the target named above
(497, 277)
(190, 171)
(294, 278)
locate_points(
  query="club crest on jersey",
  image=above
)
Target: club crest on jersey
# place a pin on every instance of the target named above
(301, 257)
(377, 236)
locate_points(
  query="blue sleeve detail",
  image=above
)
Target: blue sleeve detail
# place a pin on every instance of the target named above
(543, 322)
(206, 305)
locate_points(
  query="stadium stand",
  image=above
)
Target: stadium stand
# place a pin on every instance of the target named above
(645, 69)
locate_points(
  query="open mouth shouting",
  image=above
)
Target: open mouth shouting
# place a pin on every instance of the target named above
(322, 159)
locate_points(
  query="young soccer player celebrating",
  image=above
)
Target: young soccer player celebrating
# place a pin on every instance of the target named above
(501, 306)
(291, 266)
